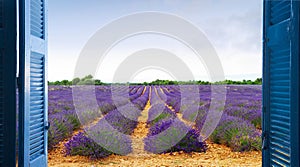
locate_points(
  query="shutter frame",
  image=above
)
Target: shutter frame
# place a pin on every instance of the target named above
(8, 55)
(266, 90)
(33, 80)
(295, 83)
(282, 33)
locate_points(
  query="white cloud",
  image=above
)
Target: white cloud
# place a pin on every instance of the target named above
(237, 39)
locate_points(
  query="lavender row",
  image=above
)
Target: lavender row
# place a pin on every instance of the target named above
(237, 133)
(111, 134)
(167, 133)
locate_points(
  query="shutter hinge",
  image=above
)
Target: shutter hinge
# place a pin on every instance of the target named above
(264, 140)
(47, 125)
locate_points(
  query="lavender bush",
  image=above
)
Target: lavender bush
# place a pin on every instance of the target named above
(120, 122)
(159, 112)
(237, 133)
(172, 135)
(82, 145)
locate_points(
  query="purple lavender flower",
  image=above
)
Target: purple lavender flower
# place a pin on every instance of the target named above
(82, 145)
(237, 133)
(173, 135)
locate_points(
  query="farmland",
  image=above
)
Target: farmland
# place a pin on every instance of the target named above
(101, 122)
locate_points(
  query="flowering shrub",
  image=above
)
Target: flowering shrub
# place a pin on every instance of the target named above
(237, 133)
(120, 122)
(82, 145)
(61, 127)
(159, 112)
(172, 135)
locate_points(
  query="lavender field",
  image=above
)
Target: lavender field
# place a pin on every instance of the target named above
(172, 119)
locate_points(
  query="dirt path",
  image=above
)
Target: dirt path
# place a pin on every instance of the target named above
(141, 131)
(216, 155)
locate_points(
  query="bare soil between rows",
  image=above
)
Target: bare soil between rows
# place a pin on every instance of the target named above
(216, 155)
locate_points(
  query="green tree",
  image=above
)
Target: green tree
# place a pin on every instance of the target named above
(65, 82)
(75, 81)
(98, 82)
(88, 77)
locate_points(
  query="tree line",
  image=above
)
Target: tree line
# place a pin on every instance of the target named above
(89, 80)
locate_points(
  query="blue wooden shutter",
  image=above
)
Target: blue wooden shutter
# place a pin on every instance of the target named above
(281, 83)
(33, 79)
(8, 55)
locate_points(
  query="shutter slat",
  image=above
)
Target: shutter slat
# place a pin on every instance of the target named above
(277, 88)
(280, 116)
(37, 18)
(283, 100)
(35, 60)
(36, 97)
(40, 138)
(36, 102)
(280, 123)
(36, 126)
(282, 53)
(41, 106)
(35, 112)
(282, 141)
(37, 66)
(278, 105)
(37, 91)
(36, 144)
(280, 149)
(280, 129)
(37, 130)
(37, 117)
(34, 136)
(279, 160)
(280, 11)
(280, 94)
(36, 152)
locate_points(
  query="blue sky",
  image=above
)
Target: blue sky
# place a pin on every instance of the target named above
(232, 26)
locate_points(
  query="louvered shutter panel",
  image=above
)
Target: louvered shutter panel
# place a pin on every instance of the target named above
(280, 83)
(8, 55)
(33, 78)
